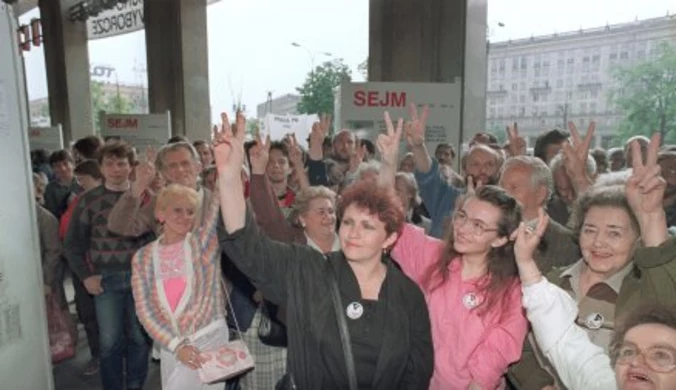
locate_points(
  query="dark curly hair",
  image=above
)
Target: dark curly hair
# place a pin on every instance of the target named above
(502, 270)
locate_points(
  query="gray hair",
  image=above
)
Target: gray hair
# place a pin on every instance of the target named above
(557, 163)
(369, 166)
(168, 148)
(613, 178)
(541, 175)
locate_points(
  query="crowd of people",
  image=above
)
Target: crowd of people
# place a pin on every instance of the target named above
(550, 271)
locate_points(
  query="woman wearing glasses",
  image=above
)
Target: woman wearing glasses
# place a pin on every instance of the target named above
(470, 280)
(650, 281)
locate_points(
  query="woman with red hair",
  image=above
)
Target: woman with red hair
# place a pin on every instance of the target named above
(388, 330)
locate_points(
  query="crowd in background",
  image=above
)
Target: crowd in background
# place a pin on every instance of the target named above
(450, 303)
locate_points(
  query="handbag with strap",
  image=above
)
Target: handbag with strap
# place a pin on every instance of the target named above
(344, 331)
(228, 360)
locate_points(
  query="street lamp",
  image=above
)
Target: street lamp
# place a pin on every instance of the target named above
(312, 54)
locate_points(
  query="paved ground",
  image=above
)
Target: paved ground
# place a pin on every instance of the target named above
(68, 375)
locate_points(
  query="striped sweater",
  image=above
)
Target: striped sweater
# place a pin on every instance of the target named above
(203, 300)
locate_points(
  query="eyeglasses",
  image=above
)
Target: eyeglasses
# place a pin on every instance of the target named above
(476, 227)
(658, 359)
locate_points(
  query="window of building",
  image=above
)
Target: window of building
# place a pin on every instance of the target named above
(613, 57)
(515, 63)
(537, 72)
(594, 94)
(624, 55)
(570, 61)
(559, 83)
(524, 62)
(560, 63)
(596, 58)
(515, 86)
(522, 85)
(640, 54)
(592, 108)
(583, 108)
(522, 99)
(492, 112)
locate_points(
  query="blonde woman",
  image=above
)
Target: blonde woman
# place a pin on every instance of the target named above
(176, 282)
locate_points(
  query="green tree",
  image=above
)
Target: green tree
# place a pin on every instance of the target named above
(317, 92)
(364, 69)
(109, 102)
(646, 95)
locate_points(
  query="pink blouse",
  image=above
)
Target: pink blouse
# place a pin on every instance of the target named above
(172, 272)
(470, 345)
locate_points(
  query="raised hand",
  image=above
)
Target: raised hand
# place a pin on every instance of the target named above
(388, 143)
(645, 187)
(229, 147)
(259, 155)
(415, 133)
(144, 172)
(472, 186)
(295, 151)
(357, 156)
(317, 135)
(517, 144)
(576, 151)
(526, 240)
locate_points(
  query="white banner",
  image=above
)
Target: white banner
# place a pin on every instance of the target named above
(280, 125)
(121, 19)
(49, 138)
(360, 108)
(140, 130)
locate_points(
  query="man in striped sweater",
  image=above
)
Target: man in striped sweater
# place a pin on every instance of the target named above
(88, 236)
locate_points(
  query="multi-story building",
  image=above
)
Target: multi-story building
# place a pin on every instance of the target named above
(283, 105)
(543, 82)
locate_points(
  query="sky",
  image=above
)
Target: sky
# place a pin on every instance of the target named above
(250, 51)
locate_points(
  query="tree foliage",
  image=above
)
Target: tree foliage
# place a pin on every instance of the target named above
(646, 95)
(112, 102)
(317, 92)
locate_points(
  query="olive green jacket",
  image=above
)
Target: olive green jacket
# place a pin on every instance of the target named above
(652, 281)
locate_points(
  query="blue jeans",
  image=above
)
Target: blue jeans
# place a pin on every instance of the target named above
(113, 307)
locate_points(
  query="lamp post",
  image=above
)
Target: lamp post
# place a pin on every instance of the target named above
(311, 54)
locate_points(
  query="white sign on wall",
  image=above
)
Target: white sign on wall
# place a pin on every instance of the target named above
(360, 108)
(123, 18)
(48, 138)
(277, 126)
(140, 130)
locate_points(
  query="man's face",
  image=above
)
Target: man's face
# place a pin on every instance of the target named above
(343, 146)
(516, 180)
(115, 170)
(444, 155)
(63, 170)
(482, 165)
(668, 166)
(278, 168)
(564, 187)
(180, 167)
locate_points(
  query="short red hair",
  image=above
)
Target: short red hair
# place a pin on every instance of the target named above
(379, 201)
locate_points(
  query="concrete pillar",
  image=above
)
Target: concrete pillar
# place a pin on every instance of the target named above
(178, 64)
(67, 65)
(433, 41)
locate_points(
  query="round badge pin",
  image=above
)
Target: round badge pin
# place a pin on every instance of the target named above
(470, 300)
(355, 310)
(594, 321)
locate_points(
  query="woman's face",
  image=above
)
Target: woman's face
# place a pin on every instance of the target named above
(607, 240)
(404, 193)
(206, 157)
(362, 235)
(656, 343)
(475, 227)
(407, 165)
(178, 217)
(320, 218)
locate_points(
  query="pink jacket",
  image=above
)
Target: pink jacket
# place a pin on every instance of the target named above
(469, 345)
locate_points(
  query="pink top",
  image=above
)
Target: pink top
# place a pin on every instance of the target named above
(470, 345)
(172, 272)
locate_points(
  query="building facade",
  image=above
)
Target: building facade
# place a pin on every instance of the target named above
(283, 105)
(543, 82)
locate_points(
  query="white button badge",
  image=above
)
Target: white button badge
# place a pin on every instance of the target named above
(355, 310)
